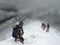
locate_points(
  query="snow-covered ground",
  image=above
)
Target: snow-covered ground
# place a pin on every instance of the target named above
(34, 35)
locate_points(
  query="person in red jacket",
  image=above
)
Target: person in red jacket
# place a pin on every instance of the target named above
(43, 26)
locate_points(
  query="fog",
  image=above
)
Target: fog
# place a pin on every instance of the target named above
(43, 10)
(33, 3)
(37, 7)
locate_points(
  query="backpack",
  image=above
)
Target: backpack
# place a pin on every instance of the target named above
(14, 34)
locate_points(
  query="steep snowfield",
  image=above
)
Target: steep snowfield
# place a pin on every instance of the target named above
(34, 35)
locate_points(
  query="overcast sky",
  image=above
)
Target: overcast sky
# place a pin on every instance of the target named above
(28, 5)
(33, 3)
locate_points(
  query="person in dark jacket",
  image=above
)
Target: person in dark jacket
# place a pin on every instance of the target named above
(48, 27)
(21, 30)
(18, 32)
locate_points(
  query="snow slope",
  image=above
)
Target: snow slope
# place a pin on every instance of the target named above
(34, 35)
